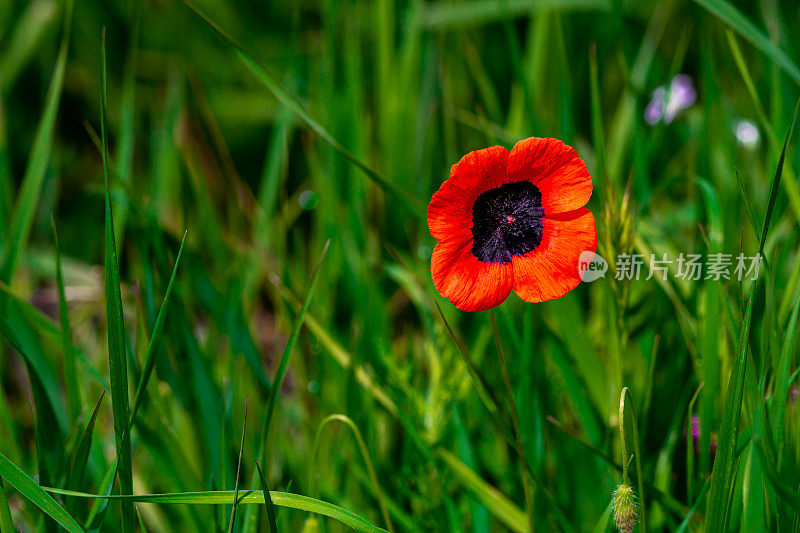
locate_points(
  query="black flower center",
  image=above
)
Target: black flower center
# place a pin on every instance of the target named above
(507, 221)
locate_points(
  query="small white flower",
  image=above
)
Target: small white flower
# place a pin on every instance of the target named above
(747, 133)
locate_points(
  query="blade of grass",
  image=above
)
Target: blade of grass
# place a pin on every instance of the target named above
(789, 293)
(598, 140)
(751, 214)
(6, 187)
(741, 64)
(283, 365)
(783, 378)
(684, 525)
(526, 482)
(127, 117)
(6, 524)
(98, 510)
(636, 452)
(45, 328)
(117, 359)
(483, 389)
(79, 461)
(790, 185)
(142, 528)
(33, 179)
(665, 499)
(238, 471)
(338, 352)
(497, 416)
(744, 27)
(290, 101)
(498, 504)
(722, 477)
(71, 384)
(446, 14)
(271, 523)
(43, 447)
(785, 491)
(690, 447)
(20, 46)
(155, 338)
(225, 497)
(605, 518)
(24, 340)
(33, 492)
(362, 446)
(280, 374)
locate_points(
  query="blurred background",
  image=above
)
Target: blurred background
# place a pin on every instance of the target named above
(667, 101)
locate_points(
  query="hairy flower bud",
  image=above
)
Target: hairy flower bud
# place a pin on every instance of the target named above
(625, 508)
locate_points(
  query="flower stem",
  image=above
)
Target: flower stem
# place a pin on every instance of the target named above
(636, 452)
(526, 481)
(622, 438)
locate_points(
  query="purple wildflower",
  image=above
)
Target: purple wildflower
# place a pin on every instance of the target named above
(655, 109)
(681, 96)
(694, 427)
(666, 104)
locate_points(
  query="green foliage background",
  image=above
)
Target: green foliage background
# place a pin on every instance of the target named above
(336, 120)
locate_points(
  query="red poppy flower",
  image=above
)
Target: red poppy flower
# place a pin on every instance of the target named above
(511, 221)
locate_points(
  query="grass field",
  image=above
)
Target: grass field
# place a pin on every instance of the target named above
(215, 268)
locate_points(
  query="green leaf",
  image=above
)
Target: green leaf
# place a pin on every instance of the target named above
(142, 528)
(690, 447)
(117, 360)
(636, 452)
(447, 13)
(238, 471)
(362, 446)
(783, 376)
(155, 338)
(744, 27)
(271, 523)
(283, 365)
(598, 136)
(751, 214)
(605, 518)
(38, 161)
(24, 339)
(79, 460)
(27, 318)
(722, 477)
(225, 497)
(785, 491)
(6, 524)
(71, 384)
(31, 490)
(341, 355)
(482, 387)
(290, 101)
(98, 510)
(280, 373)
(28, 32)
(498, 504)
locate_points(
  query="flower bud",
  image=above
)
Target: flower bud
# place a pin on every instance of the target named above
(625, 508)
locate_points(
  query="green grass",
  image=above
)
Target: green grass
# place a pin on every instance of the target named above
(207, 206)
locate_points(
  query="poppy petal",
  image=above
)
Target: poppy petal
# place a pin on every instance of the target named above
(556, 169)
(469, 284)
(450, 209)
(551, 270)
